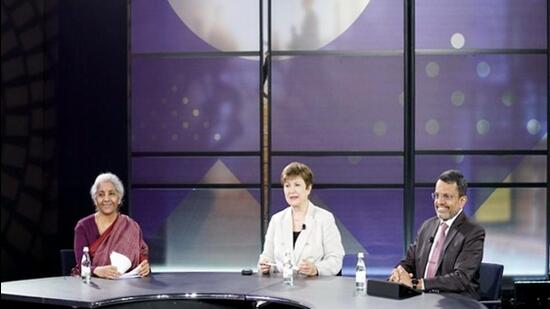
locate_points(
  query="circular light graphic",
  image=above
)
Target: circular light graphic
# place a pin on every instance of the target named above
(432, 127)
(533, 127)
(457, 98)
(380, 128)
(483, 127)
(483, 69)
(296, 25)
(432, 69)
(458, 40)
(508, 98)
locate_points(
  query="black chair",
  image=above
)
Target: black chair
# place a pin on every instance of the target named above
(67, 261)
(490, 281)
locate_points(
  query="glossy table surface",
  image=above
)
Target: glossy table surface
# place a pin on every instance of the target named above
(317, 292)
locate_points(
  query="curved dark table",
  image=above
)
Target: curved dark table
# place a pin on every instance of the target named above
(162, 290)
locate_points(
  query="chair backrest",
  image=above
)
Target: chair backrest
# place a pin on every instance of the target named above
(490, 279)
(67, 261)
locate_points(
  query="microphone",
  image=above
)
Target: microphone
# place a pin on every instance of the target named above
(303, 226)
(431, 240)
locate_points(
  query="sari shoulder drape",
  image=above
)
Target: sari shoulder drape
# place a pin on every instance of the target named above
(123, 236)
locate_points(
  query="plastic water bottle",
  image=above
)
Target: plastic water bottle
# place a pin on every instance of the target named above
(288, 273)
(86, 266)
(360, 275)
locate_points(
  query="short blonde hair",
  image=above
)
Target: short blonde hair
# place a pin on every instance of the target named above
(297, 169)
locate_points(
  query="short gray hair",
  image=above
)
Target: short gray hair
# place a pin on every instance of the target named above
(112, 178)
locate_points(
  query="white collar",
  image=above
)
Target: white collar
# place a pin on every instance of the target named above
(450, 222)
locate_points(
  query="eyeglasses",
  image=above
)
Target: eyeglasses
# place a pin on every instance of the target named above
(442, 197)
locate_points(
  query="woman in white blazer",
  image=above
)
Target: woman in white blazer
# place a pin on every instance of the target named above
(307, 232)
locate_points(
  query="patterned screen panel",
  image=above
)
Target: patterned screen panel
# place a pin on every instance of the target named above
(193, 170)
(354, 103)
(172, 26)
(484, 168)
(481, 102)
(346, 170)
(199, 229)
(480, 24)
(197, 104)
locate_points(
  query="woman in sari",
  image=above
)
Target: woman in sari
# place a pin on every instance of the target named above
(107, 231)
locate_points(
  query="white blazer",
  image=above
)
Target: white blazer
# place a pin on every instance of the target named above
(319, 242)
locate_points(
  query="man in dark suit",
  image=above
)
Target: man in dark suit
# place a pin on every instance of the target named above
(447, 253)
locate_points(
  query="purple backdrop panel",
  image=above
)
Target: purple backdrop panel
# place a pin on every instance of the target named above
(204, 170)
(349, 170)
(483, 24)
(487, 24)
(369, 221)
(380, 26)
(478, 168)
(151, 207)
(481, 102)
(201, 104)
(353, 103)
(199, 229)
(156, 27)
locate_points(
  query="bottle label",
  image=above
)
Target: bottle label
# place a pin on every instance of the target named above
(85, 271)
(360, 277)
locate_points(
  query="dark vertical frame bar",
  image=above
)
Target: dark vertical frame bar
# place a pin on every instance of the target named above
(409, 110)
(260, 106)
(547, 263)
(129, 59)
(268, 115)
(265, 121)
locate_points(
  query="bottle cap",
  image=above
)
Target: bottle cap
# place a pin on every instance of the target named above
(360, 254)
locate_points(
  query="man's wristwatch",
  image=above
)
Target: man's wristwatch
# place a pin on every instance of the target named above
(415, 283)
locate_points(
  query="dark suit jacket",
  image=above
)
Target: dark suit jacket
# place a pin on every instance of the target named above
(458, 270)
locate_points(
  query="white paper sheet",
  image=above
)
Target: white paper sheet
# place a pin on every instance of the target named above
(122, 264)
(120, 261)
(134, 273)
